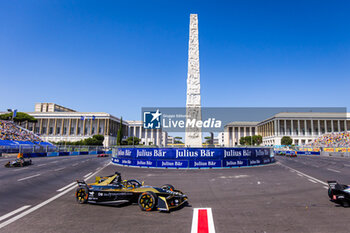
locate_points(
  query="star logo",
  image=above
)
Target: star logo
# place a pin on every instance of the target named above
(152, 120)
(156, 115)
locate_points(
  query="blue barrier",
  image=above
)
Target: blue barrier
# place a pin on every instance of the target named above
(52, 154)
(192, 157)
(277, 152)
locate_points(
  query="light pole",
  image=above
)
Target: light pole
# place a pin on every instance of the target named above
(14, 113)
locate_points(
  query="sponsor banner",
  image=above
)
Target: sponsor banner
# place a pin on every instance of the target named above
(144, 163)
(308, 152)
(192, 153)
(235, 162)
(205, 163)
(172, 163)
(192, 157)
(254, 162)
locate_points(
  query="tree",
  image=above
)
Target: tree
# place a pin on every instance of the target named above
(207, 139)
(96, 140)
(242, 141)
(178, 140)
(120, 133)
(286, 140)
(20, 117)
(257, 139)
(133, 141)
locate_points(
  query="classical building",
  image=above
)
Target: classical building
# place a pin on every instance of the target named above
(171, 140)
(237, 129)
(302, 127)
(148, 136)
(57, 123)
(221, 139)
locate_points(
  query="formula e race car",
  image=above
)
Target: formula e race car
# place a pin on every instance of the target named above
(102, 155)
(21, 162)
(339, 193)
(113, 190)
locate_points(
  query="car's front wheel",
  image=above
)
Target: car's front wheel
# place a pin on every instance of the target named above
(147, 201)
(82, 195)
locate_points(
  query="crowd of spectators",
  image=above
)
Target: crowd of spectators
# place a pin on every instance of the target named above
(339, 139)
(12, 132)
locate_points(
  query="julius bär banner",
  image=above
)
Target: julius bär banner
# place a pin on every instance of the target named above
(192, 157)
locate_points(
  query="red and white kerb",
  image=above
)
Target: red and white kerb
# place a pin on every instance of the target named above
(202, 221)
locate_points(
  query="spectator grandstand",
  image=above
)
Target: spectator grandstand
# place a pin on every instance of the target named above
(337, 139)
(11, 132)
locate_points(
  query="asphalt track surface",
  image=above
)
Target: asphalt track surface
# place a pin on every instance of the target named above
(288, 196)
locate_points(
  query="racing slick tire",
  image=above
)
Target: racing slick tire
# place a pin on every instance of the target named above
(330, 193)
(82, 194)
(168, 187)
(147, 201)
(7, 164)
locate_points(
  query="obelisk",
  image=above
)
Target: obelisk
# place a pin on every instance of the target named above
(193, 136)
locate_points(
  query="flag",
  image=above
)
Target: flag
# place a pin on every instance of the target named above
(14, 113)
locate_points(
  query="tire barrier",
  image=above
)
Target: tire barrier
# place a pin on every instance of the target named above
(192, 157)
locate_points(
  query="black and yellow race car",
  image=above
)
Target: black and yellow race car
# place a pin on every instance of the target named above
(113, 190)
(20, 162)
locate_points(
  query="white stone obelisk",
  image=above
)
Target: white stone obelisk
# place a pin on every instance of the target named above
(193, 136)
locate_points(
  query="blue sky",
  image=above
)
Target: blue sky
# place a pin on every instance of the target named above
(119, 56)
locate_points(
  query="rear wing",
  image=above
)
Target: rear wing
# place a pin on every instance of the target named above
(332, 183)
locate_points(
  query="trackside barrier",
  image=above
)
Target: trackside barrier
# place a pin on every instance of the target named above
(52, 154)
(192, 157)
(287, 152)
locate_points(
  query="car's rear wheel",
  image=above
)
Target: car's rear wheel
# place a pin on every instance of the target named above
(82, 195)
(330, 193)
(147, 201)
(168, 187)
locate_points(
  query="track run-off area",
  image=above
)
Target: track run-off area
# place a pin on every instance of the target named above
(287, 196)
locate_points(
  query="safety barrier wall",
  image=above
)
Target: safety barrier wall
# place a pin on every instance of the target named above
(52, 154)
(192, 157)
(286, 152)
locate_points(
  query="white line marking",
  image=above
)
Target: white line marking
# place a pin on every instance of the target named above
(325, 187)
(347, 165)
(210, 221)
(316, 166)
(15, 218)
(75, 164)
(87, 174)
(28, 177)
(67, 186)
(299, 174)
(319, 181)
(14, 212)
(312, 181)
(194, 221)
(41, 165)
(333, 170)
(54, 162)
(59, 169)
